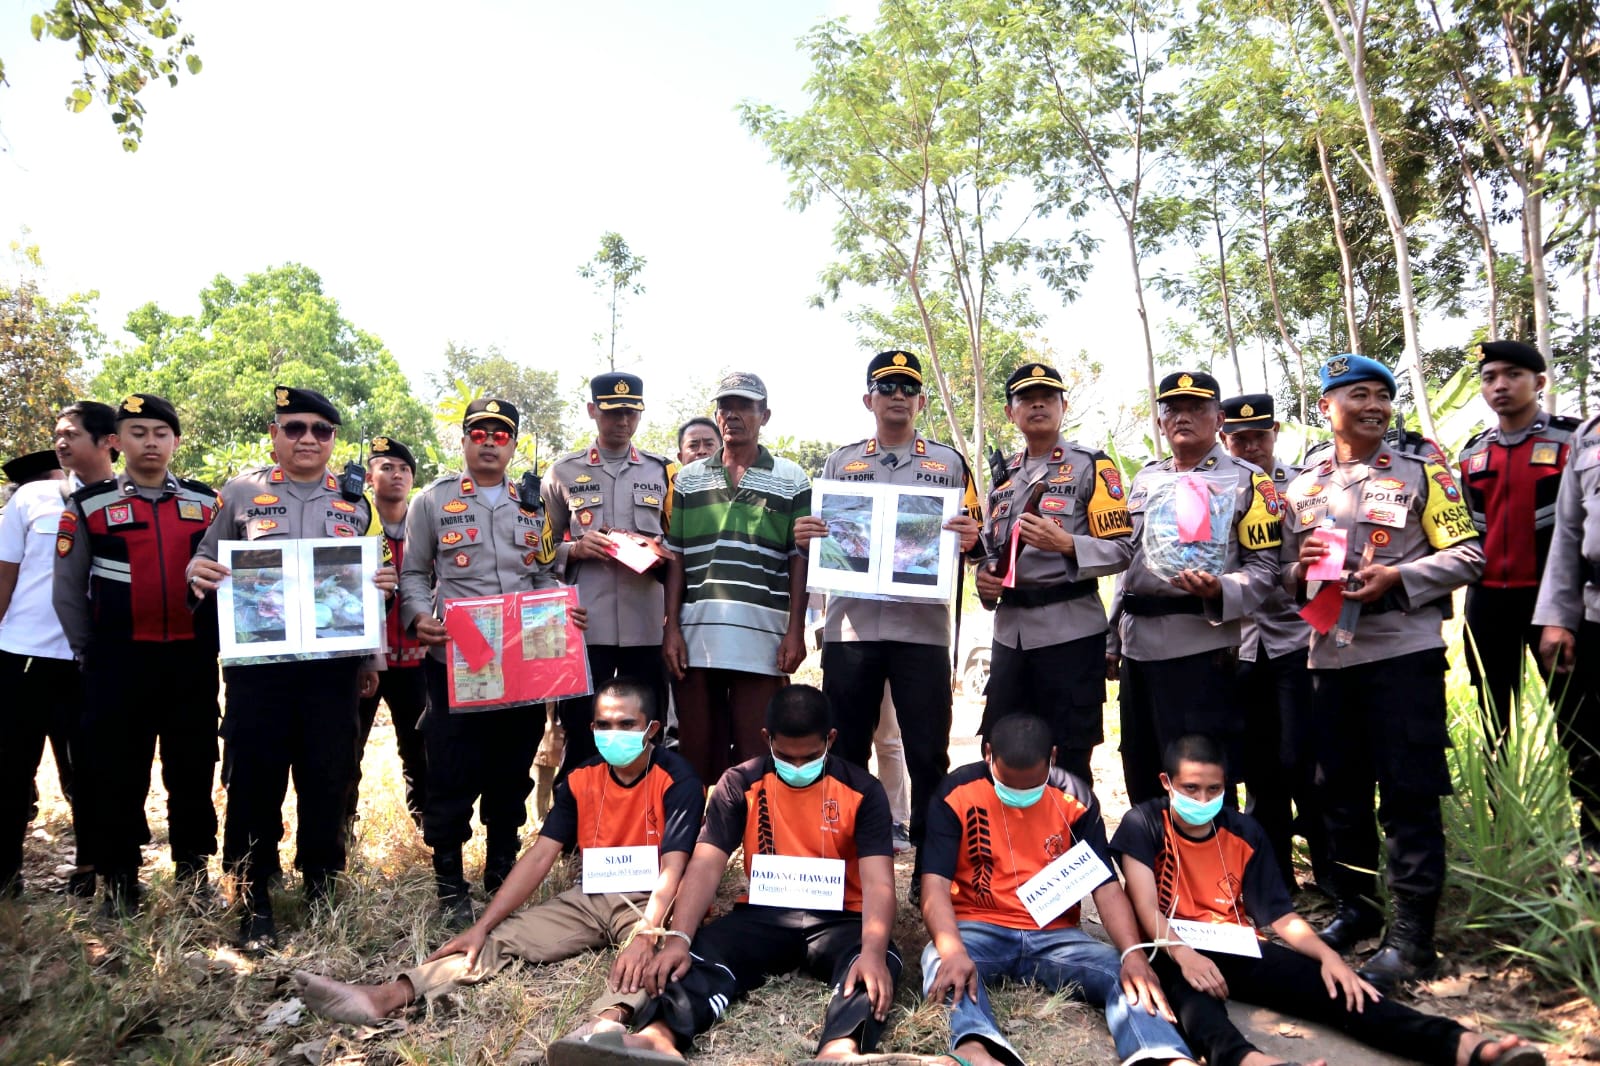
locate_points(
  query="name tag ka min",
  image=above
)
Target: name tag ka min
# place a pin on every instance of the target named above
(1061, 884)
(792, 881)
(1226, 938)
(620, 869)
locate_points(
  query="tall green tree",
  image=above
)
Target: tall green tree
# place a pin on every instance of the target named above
(543, 410)
(122, 46)
(219, 367)
(43, 344)
(615, 271)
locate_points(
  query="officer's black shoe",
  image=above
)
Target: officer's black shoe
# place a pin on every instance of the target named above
(1353, 923)
(496, 868)
(10, 883)
(257, 931)
(80, 883)
(449, 880)
(319, 888)
(457, 913)
(123, 896)
(193, 883)
(1407, 952)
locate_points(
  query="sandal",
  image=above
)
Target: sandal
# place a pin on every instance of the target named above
(1521, 1055)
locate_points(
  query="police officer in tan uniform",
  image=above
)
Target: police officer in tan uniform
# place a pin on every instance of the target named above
(611, 485)
(471, 534)
(1568, 609)
(868, 642)
(1279, 761)
(1378, 659)
(289, 717)
(1177, 639)
(1049, 628)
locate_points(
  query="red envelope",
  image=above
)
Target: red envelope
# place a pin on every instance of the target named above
(468, 638)
(1323, 610)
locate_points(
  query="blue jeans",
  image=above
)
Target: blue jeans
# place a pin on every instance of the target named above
(1054, 959)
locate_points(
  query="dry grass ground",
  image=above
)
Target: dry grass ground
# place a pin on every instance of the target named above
(168, 987)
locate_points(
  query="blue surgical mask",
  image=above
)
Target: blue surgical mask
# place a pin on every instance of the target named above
(1016, 797)
(802, 775)
(619, 747)
(1194, 811)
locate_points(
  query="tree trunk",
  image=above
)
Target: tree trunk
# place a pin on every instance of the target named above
(1227, 304)
(1149, 346)
(1353, 47)
(1266, 256)
(1347, 271)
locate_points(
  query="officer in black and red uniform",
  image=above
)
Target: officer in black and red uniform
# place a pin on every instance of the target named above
(1511, 473)
(391, 472)
(149, 663)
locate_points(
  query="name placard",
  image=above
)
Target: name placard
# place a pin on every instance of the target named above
(792, 881)
(1223, 937)
(620, 869)
(1061, 884)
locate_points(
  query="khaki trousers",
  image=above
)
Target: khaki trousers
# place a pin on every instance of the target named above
(556, 929)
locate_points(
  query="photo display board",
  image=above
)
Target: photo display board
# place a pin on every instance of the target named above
(884, 541)
(521, 647)
(299, 599)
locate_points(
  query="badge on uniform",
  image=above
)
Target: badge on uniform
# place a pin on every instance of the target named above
(119, 514)
(342, 530)
(1477, 463)
(462, 558)
(191, 511)
(530, 558)
(266, 525)
(1384, 461)
(1053, 503)
(1384, 514)
(1379, 538)
(450, 538)
(472, 534)
(582, 479)
(855, 466)
(1056, 454)
(1545, 453)
(585, 518)
(455, 506)
(652, 501)
(934, 465)
(344, 505)
(265, 499)
(531, 539)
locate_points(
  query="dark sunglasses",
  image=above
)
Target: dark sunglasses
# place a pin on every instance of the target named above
(500, 437)
(295, 430)
(909, 389)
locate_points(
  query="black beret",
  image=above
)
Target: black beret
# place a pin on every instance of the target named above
(147, 405)
(30, 467)
(1188, 383)
(1250, 411)
(290, 401)
(1031, 376)
(484, 409)
(617, 392)
(388, 447)
(894, 364)
(1516, 352)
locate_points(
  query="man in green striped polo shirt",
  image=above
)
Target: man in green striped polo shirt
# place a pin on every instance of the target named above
(736, 584)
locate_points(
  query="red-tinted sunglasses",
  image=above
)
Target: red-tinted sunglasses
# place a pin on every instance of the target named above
(500, 437)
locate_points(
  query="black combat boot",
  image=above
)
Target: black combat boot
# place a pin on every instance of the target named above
(450, 881)
(1407, 952)
(193, 883)
(499, 857)
(1355, 921)
(319, 888)
(257, 931)
(124, 896)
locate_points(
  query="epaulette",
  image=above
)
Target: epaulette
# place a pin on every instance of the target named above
(93, 489)
(1475, 438)
(662, 459)
(442, 478)
(1566, 422)
(196, 486)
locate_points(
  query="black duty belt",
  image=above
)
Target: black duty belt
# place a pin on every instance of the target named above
(1043, 595)
(1158, 606)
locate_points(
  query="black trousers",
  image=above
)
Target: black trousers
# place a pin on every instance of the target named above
(1065, 684)
(735, 954)
(1579, 716)
(1500, 622)
(406, 694)
(294, 719)
(1164, 699)
(918, 675)
(1287, 981)
(1383, 724)
(482, 757)
(137, 694)
(1280, 760)
(43, 698)
(607, 661)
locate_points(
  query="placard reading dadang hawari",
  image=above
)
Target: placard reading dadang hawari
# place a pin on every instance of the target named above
(792, 881)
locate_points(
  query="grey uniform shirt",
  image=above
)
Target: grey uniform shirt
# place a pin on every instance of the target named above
(584, 490)
(1250, 568)
(917, 463)
(459, 544)
(1411, 512)
(1569, 592)
(1276, 626)
(1084, 496)
(268, 505)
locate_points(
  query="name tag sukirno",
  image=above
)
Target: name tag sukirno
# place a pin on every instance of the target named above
(792, 881)
(620, 869)
(1061, 884)
(1223, 937)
